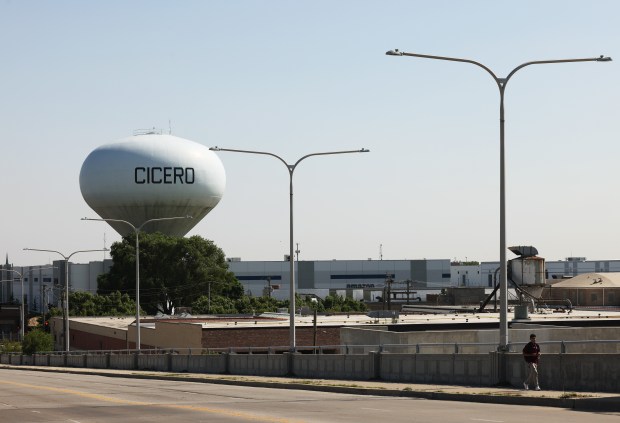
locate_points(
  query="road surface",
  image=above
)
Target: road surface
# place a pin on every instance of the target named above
(30, 396)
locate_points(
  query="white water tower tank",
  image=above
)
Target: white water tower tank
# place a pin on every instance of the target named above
(152, 176)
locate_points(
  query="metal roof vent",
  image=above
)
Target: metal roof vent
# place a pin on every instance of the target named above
(524, 251)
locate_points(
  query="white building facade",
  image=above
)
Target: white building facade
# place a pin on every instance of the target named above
(322, 276)
(44, 284)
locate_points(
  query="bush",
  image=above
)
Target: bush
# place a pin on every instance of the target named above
(36, 341)
(10, 346)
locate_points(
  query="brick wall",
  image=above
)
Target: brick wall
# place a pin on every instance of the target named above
(220, 338)
(81, 340)
(266, 337)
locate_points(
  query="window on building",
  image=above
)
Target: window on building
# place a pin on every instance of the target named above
(593, 298)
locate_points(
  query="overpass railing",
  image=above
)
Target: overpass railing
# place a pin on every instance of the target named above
(561, 347)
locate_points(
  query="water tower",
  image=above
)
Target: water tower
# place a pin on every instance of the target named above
(150, 176)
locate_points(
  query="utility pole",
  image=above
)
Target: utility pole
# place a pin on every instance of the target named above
(408, 284)
(389, 281)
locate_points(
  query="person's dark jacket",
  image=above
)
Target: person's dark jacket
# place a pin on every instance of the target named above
(531, 352)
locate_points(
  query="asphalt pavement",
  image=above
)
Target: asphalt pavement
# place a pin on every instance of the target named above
(587, 401)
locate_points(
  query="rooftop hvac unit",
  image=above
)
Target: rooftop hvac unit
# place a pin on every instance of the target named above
(524, 251)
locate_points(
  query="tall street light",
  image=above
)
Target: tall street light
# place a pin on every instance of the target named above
(501, 84)
(66, 299)
(136, 231)
(21, 279)
(291, 257)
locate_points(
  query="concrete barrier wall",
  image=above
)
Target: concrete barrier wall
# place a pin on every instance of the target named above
(181, 363)
(209, 363)
(429, 369)
(57, 360)
(469, 369)
(568, 372)
(474, 369)
(75, 360)
(40, 360)
(156, 362)
(258, 364)
(571, 372)
(96, 361)
(334, 366)
(122, 361)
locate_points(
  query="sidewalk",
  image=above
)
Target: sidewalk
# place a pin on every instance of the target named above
(590, 401)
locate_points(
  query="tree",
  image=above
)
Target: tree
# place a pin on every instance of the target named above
(257, 305)
(337, 303)
(37, 340)
(87, 304)
(216, 305)
(174, 271)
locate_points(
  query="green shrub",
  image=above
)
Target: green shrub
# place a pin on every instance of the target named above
(10, 346)
(37, 341)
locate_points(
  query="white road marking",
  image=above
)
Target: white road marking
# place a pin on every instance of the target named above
(374, 409)
(485, 420)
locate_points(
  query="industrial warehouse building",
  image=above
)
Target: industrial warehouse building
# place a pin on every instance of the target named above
(270, 331)
(362, 279)
(198, 332)
(43, 284)
(586, 290)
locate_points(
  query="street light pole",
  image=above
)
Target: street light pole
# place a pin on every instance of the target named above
(137, 231)
(291, 170)
(501, 84)
(66, 296)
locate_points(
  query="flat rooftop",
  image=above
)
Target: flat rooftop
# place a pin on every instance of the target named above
(465, 318)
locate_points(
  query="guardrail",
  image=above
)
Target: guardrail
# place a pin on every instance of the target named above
(559, 370)
(561, 347)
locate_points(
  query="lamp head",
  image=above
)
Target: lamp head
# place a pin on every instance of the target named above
(394, 52)
(604, 59)
(216, 148)
(364, 150)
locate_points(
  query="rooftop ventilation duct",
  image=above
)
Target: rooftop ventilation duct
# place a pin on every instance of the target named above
(524, 251)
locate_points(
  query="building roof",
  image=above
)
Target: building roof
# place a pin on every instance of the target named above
(591, 280)
(351, 320)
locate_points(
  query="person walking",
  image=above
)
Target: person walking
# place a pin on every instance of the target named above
(531, 354)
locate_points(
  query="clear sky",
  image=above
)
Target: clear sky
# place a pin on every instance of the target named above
(301, 77)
